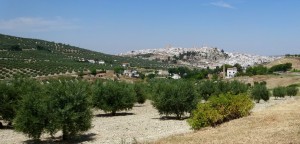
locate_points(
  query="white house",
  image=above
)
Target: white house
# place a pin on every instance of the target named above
(231, 72)
(176, 76)
(101, 62)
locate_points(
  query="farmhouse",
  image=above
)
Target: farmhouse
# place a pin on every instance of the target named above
(231, 72)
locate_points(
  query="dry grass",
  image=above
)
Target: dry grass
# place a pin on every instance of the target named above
(294, 61)
(276, 124)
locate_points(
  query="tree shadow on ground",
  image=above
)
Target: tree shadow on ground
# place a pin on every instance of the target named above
(163, 118)
(58, 140)
(117, 114)
(7, 126)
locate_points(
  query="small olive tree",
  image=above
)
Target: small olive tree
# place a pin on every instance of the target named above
(174, 97)
(260, 91)
(279, 91)
(141, 92)
(61, 105)
(113, 96)
(11, 92)
(70, 106)
(292, 90)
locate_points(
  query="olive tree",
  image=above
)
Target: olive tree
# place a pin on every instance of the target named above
(292, 90)
(113, 96)
(70, 107)
(260, 91)
(59, 105)
(279, 91)
(174, 97)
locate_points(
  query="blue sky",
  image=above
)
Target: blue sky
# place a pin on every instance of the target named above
(264, 27)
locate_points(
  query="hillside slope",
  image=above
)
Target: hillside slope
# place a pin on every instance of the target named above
(294, 60)
(275, 124)
(34, 57)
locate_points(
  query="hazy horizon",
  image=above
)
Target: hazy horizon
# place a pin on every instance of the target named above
(114, 26)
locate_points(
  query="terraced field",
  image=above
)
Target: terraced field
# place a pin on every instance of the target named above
(34, 58)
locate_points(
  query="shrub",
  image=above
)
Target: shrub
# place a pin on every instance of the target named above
(174, 97)
(279, 91)
(113, 96)
(219, 109)
(292, 90)
(204, 115)
(260, 91)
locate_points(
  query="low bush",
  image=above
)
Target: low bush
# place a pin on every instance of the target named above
(219, 109)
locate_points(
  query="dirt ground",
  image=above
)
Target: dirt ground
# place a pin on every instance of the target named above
(275, 121)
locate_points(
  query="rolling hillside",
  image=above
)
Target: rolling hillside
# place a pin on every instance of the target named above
(34, 57)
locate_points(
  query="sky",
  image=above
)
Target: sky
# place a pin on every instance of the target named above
(263, 27)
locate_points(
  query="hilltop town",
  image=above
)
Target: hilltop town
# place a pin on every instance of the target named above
(202, 57)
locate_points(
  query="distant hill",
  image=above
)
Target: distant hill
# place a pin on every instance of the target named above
(34, 57)
(199, 57)
(294, 60)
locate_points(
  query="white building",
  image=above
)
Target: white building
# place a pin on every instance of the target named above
(231, 72)
(176, 76)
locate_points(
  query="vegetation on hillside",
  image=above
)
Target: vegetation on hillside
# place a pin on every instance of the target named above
(33, 57)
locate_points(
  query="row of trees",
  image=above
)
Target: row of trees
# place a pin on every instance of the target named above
(262, 70)
(281, 91)
(34, 107)
(63, 105)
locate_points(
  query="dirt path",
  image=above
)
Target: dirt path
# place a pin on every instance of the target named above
(278, 123)
(275, 120)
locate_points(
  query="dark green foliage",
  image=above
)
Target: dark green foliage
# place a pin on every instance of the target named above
(119, 70)
(11, 93)
(281, 67)
(151, 76)
(208, 88)
(279, 91)
(260, 91)
(93, 72)
(174, 97)
(70, 105)
(32, 116)
(15, 48)
(140, 91)
(257, 70)
(113, 96)
(60, 105)
(8, 101)
(291, 90)
(219, 109)
(237, 87)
